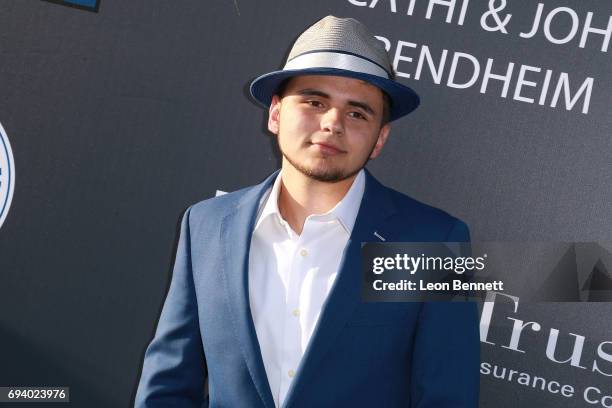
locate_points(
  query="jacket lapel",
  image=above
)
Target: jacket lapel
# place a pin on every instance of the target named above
(345, 295)
(236, 231)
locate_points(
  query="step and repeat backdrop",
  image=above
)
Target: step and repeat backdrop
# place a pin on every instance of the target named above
(115, 116)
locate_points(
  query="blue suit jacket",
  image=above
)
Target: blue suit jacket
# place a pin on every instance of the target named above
(360, 355)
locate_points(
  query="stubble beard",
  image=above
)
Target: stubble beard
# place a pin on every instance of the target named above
(326, 175)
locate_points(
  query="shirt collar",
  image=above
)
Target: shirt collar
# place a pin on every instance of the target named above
(345, 210)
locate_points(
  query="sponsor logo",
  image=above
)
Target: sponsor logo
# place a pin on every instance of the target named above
(90, 5)
(7, 175)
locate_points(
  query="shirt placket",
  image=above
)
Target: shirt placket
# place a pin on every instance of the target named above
(291, 350)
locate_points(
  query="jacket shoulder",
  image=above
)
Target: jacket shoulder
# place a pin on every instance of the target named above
(219, 205)
(433, 222)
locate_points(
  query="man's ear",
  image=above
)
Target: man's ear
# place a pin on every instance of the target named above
(383, 134)
(274, 115)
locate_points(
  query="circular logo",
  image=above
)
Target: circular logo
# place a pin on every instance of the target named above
(7, 175)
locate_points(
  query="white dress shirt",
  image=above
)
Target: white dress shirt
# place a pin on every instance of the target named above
(290, 277)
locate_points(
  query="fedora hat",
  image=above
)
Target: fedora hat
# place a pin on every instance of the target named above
(341, 47)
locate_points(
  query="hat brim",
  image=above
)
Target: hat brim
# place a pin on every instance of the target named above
(403, 99)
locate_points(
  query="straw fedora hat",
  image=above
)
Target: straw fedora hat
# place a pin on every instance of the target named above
(340, 47)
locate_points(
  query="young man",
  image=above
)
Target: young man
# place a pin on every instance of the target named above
(265, 301)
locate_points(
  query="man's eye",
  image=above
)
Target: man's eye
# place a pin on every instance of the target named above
(315, 104)
(357, 115)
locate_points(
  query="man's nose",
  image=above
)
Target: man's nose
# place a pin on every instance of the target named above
(333, 121)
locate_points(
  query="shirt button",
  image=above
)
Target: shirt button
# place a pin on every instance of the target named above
(296, 312)
(291, 373)
(303, 252)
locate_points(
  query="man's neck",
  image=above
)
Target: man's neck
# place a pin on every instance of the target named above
(301, 196)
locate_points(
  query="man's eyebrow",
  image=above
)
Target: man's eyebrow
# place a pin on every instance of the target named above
(315, 92)
(312, 92)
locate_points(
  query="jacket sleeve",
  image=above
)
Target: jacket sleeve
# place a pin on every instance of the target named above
(446, 354)
(174, 368)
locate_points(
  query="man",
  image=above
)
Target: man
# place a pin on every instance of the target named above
(264, 308)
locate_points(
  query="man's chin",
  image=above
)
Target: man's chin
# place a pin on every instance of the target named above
(327, 175)
(323, 172)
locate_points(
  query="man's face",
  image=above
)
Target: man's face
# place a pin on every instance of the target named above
(328, 126)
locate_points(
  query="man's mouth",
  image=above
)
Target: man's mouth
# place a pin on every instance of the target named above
(327, 148)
